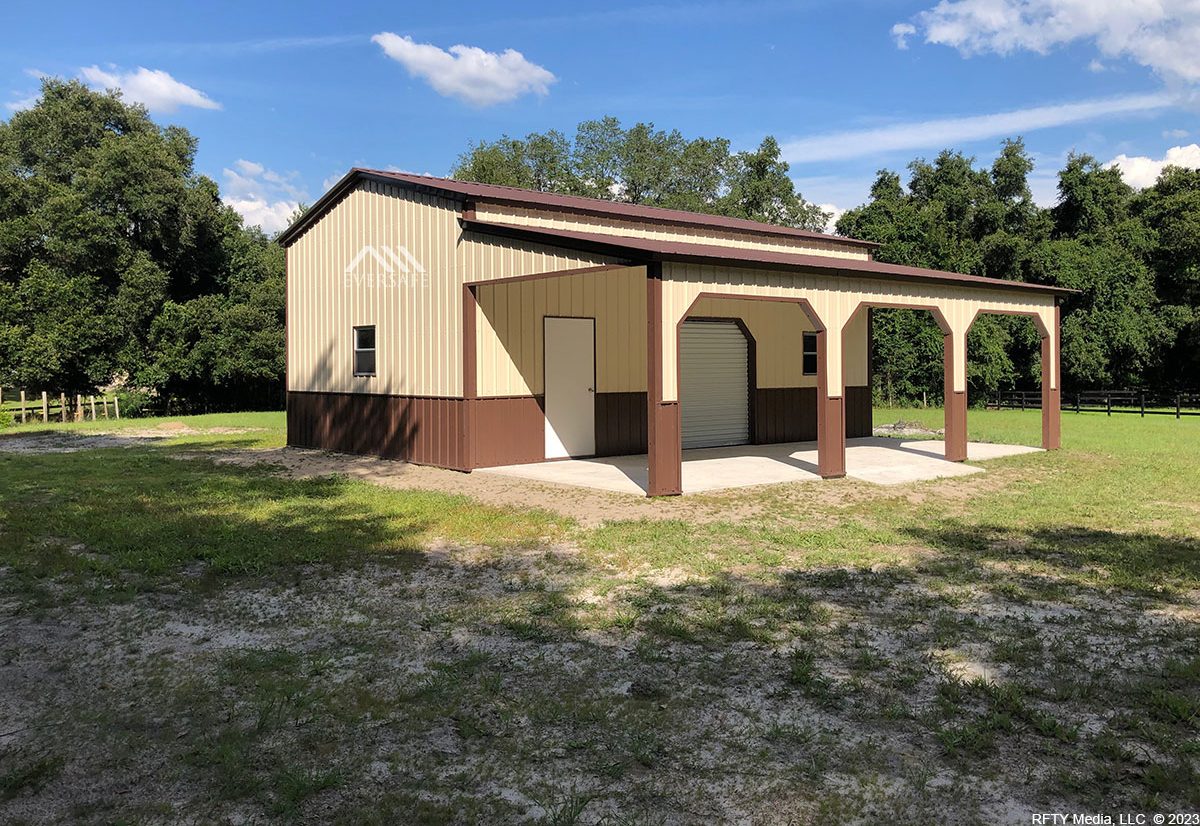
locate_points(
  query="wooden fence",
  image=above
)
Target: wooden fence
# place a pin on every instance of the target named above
(1141, 402)
(46, 407)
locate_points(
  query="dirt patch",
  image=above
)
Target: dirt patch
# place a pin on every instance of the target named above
(494, 687)
(57, 441)
(903, 429)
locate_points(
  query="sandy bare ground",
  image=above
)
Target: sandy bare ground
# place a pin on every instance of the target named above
(58, 441)
(506, 688)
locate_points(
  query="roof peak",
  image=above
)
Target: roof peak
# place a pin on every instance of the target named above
(511, 195)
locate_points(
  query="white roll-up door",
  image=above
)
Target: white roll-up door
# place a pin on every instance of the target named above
(714, 393)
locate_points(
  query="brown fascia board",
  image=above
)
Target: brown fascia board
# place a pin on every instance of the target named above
(645, 250)
(512, 196)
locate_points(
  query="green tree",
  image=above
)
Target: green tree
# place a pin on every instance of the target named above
(112, 248)
(953, 216)
(1171, 209)
(644, 165)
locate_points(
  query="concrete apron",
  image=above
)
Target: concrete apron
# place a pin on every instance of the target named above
(873, 459)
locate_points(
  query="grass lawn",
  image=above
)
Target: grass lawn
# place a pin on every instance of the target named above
(183, 639)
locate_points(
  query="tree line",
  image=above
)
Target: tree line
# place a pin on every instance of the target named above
(1133, 256)
(120, 264)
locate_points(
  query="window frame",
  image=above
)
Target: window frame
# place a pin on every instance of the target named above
(805, 353)
(373, 350)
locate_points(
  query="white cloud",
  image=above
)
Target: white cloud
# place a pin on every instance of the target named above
(260, 195)
(944, 132)
(1163, 35)
(249, 167)
(154, 88)
(1141, 171)
(835, 212)
(468, 73)
(1096, 66)
(1175, 134)
(901, 32)
(22, 103)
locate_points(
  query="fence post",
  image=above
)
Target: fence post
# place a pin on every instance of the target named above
(62, 406)
(1108, 402)
(23, 414)
(79, 407)
(104, 404)
(92, 402)
(1076, 402)
(1142, 397)
(45, 408)
(1177, 404)
(117, 406)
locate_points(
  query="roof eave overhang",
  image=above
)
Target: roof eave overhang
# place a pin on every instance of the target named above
(639, 256)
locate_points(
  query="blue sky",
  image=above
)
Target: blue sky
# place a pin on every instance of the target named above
(284, 98)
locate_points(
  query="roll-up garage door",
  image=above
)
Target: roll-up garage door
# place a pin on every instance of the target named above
(713, 384)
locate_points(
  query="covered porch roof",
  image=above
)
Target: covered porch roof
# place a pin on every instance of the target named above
(645, 250)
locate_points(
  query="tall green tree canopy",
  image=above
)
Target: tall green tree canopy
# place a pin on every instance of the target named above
(642, 165)
(1128, 325)
(118, 261)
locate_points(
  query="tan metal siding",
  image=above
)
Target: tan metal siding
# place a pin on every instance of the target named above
(835, 301)
(510, 328)
(778, 333)
(552, 219)
(418, 316)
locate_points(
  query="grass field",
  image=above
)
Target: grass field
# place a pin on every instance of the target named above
(186, 639)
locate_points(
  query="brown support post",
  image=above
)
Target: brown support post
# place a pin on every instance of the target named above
(663, 443)
(470, 378)
(956, 405)
(831, 417)
(1052, 395)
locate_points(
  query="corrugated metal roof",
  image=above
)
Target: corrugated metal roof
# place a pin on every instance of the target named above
(490, 193)
(652, 249)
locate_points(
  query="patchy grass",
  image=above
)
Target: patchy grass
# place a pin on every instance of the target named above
(187, 640)
(138, 515)
(249, 429)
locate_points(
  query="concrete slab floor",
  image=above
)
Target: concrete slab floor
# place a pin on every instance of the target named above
(873, 459)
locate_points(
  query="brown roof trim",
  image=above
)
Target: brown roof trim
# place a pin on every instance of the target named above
(656, 250)
(512, 196)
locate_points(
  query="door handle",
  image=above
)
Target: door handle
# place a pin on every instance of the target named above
(591, 390)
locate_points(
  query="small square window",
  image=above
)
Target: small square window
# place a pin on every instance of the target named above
(364, 351)
(809, 364)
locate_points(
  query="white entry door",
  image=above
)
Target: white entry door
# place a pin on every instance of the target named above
(570, 387)
(714, 391)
